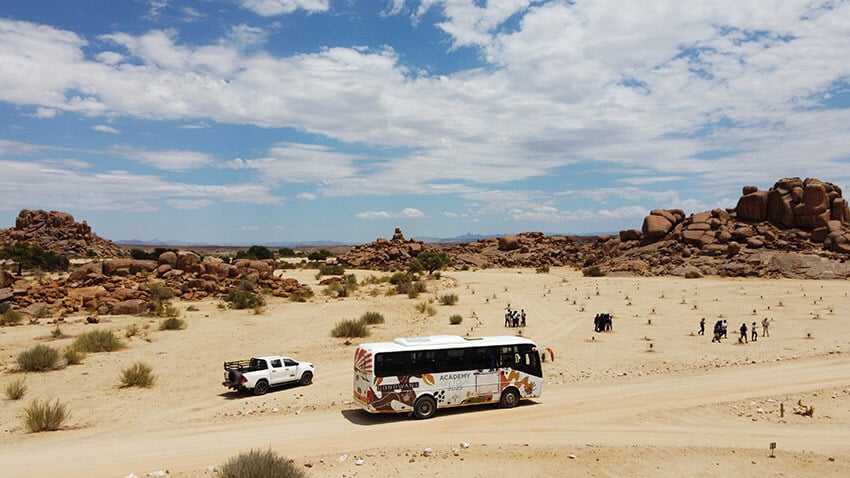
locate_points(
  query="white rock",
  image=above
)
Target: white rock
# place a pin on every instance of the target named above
(427, 452)
(131, 475)
(212, 469)
(359, 461)
(156, 474)
(342, 457)
(275, 410)
(572, 457)
(464, 445)
(759, 410)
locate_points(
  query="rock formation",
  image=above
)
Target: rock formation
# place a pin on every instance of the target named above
(59, 233)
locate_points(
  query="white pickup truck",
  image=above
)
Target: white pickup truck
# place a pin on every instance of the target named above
(261, 373)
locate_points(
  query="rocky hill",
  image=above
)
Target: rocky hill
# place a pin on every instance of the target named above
(798, 228)
(59, 233)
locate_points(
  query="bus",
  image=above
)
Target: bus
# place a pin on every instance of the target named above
(422, 374)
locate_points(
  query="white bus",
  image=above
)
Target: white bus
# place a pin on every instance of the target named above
(421, 374)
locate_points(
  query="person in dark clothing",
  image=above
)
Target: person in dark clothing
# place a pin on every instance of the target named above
(702, 326)
(743, 333)
(718, 331)
(522, 317)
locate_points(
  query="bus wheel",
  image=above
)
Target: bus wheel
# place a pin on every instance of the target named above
(425, 407)
(510, 398)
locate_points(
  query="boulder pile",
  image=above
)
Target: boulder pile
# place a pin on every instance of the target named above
(384, 254)
(122, 286)
(58, 232)
(527, 249)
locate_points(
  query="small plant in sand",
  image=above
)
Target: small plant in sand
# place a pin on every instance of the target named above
(260, 464)
(448, 299)
(544, 269)
(45, 416)
(137, 375)
(98, 341)
(56, 333)
(301, 295)
(244, 299)
(350, 328)
(73, 356)
(456, 319)
(43, 312)
(172, 323)
(16, 389)
(132, 331)
(38, 359)
(425, 308)
(372, 318)
(594, 271)
(11, 317)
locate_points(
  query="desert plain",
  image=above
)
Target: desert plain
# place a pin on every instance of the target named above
(650, 398)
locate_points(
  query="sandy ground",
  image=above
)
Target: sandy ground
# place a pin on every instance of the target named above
(651, 398)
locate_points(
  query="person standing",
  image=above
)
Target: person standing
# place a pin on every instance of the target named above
(724, 328)
(508, 317)
(702, 326)
(743, 333)
(764, 324)
(754, 332)
(522, 317)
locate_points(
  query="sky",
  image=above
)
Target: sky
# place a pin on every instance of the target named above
(286, 121)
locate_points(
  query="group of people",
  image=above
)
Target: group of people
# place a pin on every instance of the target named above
(515, 318)
(721, 329)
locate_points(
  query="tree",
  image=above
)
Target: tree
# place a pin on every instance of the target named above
(255, 252)
(319, 255)
(432, 260)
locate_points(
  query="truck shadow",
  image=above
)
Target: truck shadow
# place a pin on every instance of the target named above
(240, 394)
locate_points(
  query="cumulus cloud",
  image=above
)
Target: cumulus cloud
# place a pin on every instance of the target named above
(46, 113)
(307, 196)
(406, 213)
(105, 129)
(269, 8)
(173, 160)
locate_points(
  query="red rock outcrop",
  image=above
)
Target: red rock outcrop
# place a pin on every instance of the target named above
(59, 233)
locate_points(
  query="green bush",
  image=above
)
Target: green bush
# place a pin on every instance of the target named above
(432, 260)
(73, 356)
(98, 341)
(286, 252)
(544, 269)
(426, 308)
(244, 299)
(448, 299)
(11, 317)
(319, 255)
(38, 358)
(34, 257)
(137, 375)
(455, 319)
(372, 318)
(159, 293)
(5, 307)
(693, 275)
(594, 271)
(260, 464)
(172, 323)
(255, 253)
(331, 270)
(301, 296)
(350, 328)
(16, 389)
(44, 417)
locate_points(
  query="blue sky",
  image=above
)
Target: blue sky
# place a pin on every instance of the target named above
(264, 121)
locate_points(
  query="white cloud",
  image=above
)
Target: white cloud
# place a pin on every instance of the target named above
(155, 8)
(411, 212)
(188, 204)
(46, 113)
(109, 57)
(173, 160)
(374, 215)
(406, 213)
(244, 36)
(249, 228)
(268, 8)
(300, 163)
(105, 129)
(307, 196)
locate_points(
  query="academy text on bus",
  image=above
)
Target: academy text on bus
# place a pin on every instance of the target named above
(422, 374)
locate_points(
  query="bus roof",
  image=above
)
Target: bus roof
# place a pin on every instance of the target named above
(442, 342)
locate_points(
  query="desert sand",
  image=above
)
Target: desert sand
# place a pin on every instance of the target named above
(650, 398)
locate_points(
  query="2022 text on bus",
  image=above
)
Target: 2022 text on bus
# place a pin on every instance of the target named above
(422, 374)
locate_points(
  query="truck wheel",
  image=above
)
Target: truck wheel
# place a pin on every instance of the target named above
(261, 387)
(307, 378)
(424, 407)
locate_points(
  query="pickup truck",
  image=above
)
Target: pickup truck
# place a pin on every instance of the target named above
(261, 373)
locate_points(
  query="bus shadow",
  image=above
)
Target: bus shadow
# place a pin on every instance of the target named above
(361, 417)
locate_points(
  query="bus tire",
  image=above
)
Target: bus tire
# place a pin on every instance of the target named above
(424, 407)
(261, 387)
(510, 398)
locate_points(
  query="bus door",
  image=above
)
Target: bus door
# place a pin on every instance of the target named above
(486, 382)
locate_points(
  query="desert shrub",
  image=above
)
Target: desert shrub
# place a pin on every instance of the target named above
(244, 299)
(137, 375)
(372, 318)
(5, 307)
(16, 389)
(132, 331)
(172, 323)
(693, 274)
(331, 270)
(319, 255)
(11, 317)
(455, 319)
(374, 280)
(426, 308)
(73, 356)
(544, 269)
(286, 252)
(43, 312)
(98, 341)
(260, 464)
(255, 252)
(301, 296)
(57, 333)
(594, 271)
(448, 299)
(432, 260)
(38, 358)
(172, 311)
(46, 416)
(350, 328)
(34, 257)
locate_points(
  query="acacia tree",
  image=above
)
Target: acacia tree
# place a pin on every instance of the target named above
(34, 257)
(432, 260)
